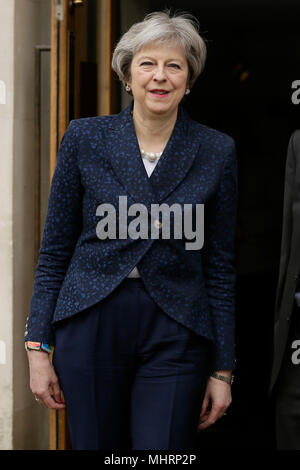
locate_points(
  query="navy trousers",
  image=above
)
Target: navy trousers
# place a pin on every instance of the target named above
(132, 377)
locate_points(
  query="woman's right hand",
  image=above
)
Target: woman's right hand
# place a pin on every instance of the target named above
(42, 377)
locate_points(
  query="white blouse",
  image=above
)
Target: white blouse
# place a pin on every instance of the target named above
(149, 168)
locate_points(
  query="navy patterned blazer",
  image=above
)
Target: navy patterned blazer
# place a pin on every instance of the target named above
(99, 160)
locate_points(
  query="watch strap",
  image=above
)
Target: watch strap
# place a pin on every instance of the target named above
(224, 378)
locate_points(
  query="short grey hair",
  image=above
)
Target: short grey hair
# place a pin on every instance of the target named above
(182, 28)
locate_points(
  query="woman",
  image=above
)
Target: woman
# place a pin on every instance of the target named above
(142, 323)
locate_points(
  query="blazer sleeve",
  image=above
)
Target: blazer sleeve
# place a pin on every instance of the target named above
(219, 262)
(61, 230)
(290, 173)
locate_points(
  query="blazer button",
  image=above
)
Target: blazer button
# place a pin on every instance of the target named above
(157, 223)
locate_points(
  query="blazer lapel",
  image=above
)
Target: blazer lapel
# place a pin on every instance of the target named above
(173, 165)
(125, 158)
(178, 156)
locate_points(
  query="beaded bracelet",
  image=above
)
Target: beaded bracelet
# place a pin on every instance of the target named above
(37, 346)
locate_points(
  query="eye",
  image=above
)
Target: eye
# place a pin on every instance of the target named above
(146, 63)
(174, 65)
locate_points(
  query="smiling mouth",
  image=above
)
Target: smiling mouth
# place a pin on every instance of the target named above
(159, 93)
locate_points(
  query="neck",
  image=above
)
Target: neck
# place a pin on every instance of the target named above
(153, 129)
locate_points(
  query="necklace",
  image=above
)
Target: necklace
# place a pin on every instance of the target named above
(151, 156)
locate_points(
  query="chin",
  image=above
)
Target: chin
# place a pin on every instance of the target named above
(162, 109)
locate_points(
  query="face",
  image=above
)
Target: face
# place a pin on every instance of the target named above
(158, 67)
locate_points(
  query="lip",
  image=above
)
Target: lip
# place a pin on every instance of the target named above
(153, 92)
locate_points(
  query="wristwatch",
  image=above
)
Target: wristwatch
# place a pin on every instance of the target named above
(37, 346)
(228, 380)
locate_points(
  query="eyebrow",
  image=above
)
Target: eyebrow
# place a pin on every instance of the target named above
(169, 60)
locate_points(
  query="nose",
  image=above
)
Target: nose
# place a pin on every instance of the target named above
(159, 74)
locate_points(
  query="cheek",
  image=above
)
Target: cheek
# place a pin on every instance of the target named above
(178, 81)
(142, 77)
(180, 85)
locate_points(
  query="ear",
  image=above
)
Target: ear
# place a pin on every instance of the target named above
(188, 80)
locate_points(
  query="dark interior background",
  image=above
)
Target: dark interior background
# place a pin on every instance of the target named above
(245, 91)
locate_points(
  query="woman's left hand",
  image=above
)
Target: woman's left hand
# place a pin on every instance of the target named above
(216, 401)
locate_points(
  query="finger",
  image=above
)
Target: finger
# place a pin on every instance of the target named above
(205, 407)
(48, 401)
(53, 405)
(38, 400)
(57, 393)
(206, 422)
(215, 413)
(203, 417)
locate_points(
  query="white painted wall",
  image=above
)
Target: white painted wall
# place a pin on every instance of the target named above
(23, 24)
(32, 22)
(7, 9)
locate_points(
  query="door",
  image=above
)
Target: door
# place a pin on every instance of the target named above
(83, 33)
